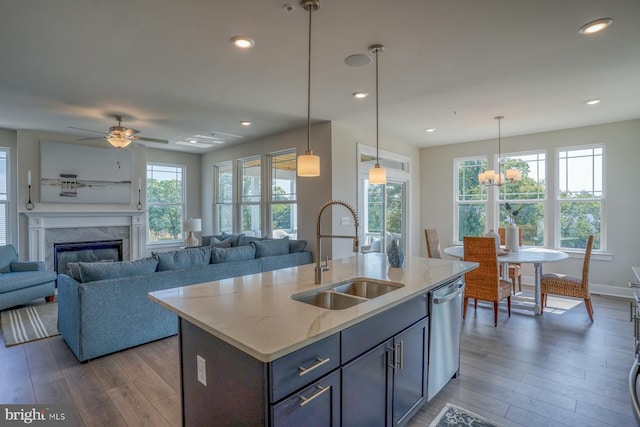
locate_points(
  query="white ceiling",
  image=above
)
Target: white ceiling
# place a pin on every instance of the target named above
(450, 64)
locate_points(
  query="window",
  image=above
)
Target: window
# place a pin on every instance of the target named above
(165, 201)
(526, 197)
(4, 195)
(470, 200)
(383, 208)
(250, 171)
(581, 197)
(224, 197)
(283, 206)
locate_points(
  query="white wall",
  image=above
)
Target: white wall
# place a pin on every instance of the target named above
(609, 274)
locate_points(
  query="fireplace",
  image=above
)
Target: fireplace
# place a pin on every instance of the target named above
(97, 251)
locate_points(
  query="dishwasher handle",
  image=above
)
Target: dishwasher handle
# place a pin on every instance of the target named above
(450, 296)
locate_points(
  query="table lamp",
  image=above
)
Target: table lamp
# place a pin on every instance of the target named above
(190, 225)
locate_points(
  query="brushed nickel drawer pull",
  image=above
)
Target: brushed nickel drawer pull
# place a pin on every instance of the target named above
(306, 400)
(320, 362)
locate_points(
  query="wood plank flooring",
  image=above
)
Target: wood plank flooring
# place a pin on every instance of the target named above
(558, 369)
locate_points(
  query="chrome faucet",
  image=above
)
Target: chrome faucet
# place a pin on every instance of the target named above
(319, 236)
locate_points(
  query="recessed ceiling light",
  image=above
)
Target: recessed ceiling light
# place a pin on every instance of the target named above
(595, 26)
(430, 130)
(243, 42)
(245, 123)
(592, 101)
(193, 141)
(360, 95)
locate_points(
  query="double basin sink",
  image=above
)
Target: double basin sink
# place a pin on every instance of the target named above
(347, 294)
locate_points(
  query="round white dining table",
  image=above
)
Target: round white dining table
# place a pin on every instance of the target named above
(526, 255)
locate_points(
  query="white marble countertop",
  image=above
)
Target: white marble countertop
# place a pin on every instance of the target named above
(256, 314)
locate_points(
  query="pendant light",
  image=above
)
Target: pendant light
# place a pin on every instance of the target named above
(377, 174)
(308, 163)
(496, 177)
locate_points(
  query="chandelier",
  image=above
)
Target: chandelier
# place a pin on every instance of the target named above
(492, 177)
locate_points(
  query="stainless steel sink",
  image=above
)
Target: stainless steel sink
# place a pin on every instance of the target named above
(347, 294)
(366, 288)
(329, 300)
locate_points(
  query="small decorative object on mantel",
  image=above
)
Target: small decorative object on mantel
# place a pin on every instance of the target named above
(512, 235)
(139, 205)
(395, 255)
(29, 205)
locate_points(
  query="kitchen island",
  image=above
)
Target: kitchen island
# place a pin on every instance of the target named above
(252, 355)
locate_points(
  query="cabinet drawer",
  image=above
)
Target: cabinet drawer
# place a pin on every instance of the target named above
(316, 405)
(301, 367)
(367, 334)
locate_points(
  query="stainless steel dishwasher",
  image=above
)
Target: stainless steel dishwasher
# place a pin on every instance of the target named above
(444, 336)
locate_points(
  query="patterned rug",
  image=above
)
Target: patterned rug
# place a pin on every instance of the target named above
(29, 323)
(455, 416)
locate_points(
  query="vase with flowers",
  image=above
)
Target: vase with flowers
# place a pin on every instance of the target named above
(512, 236)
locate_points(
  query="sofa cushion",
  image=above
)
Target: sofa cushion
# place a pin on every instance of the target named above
(185, 258)
(297, 246)
(271, 247)
(216, 243)
(13, 281)
(245, 240)
(234, 237)
(74, 270)
(92, 271)
(7, 256)
(239, 253)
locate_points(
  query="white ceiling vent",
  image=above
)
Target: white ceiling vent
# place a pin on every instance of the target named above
(208, 141)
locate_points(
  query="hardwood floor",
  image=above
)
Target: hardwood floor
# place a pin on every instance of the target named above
(552, 370)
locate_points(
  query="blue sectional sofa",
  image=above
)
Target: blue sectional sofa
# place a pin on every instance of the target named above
(105, 307)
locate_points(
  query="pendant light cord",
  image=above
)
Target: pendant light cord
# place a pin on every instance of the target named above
(377, 121)
(499, 118)
(309, 88)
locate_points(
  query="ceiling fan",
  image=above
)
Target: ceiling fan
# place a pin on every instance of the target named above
(120, 136)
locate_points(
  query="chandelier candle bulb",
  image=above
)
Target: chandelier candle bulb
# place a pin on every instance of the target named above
(29, 178)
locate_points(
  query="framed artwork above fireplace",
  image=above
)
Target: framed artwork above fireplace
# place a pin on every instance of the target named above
(75, 173)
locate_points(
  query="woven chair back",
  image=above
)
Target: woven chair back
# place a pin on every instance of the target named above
(482, 282)
(433, 244)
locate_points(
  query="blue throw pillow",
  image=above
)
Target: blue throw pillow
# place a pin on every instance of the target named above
(92, 271)
(206, 240)
(239, 253)
(245, 240)
(216, 243)
(185, 258)
(234, 237)
(271, 247)
(297, 246)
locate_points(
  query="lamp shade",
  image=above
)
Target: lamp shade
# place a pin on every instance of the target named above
(192, 224)
(377, 175)
(119, 142)
(308, 164)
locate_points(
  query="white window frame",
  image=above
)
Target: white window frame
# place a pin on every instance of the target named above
(8, 200)
(268, 226)
(182, 205)
(456, 202)
(239, 188)
(216, 193)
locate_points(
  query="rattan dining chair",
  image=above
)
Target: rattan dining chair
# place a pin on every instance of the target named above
(484, 283)
(515, 268)
(433, 244)
(570, 286)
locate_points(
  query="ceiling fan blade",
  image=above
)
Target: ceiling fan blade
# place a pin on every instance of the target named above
(88, 130)
(87, 139)
(144, 138)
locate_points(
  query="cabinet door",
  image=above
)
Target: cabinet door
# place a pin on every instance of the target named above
(410, 373)
(316, 405)
(366, 388)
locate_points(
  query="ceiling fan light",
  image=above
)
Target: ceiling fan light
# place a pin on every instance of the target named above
(119, 142)
(243, 42)
(308, 164)
(377, 175)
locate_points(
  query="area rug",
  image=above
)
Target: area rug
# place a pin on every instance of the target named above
(455, 416)
(29, 323)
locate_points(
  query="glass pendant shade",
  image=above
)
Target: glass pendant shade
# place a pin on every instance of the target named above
(308, 164)
(119, 142)
(377, 175)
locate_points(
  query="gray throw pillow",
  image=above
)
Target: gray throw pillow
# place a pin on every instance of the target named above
(92, 271)
(234, 237)
(74, 270)
(297, 246)
(185, 258)
(216, 243)
(239, 253)
(245, 240)
(271, 247)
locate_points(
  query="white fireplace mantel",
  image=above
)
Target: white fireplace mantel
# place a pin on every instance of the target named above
(40, 220)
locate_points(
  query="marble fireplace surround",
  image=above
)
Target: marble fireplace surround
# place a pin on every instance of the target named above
(49, 227)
